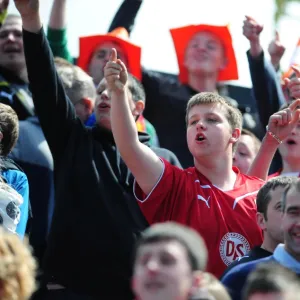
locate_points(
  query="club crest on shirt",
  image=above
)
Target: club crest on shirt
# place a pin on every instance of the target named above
(233, 246)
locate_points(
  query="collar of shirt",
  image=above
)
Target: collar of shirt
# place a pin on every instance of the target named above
(285, 259)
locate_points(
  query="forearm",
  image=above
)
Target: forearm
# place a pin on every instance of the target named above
(126, 15)
(255, 49)
(144, 164)
(266, 87)
(262, 162)
(32, 23)
(58, 14)
(123, 125)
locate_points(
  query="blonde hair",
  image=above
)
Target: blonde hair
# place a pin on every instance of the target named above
(214, 287)
(77, 83)
(17, 268)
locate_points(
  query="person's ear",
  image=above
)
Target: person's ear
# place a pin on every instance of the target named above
(1, 136)
(88, 104)
(236, 133)
(260, 219)
(139, 108)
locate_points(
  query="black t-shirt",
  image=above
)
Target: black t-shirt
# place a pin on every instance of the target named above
(254, 254)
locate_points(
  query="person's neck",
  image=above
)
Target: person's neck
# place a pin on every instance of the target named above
(202, 83)
(292, 253)
(290, 166)
(18, 71)
(269, 244)
(218, 171)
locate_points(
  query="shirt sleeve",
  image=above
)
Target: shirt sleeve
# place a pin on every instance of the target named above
(160, 204)
(59, 43)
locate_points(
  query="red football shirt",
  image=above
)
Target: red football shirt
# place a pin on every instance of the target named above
(226, 220)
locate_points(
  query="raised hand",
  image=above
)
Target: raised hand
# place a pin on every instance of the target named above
(251, 29)
(27, 8)
(115, 73)
(284, 121)
(293, 84)
(276, 50)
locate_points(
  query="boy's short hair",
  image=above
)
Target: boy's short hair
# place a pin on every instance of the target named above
(263, 197)
(187, 237)
(77, 83)
(17, 267)
(136, 88)
(270, 278)
(9, 127)
(257, 142)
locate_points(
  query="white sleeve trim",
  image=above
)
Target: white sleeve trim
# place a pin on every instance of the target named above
(158, 181)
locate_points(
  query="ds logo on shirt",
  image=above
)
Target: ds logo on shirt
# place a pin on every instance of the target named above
(232, 246)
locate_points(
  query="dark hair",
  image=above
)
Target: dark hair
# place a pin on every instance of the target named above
(136, 89)
(189, 238)
(9, 127)
(295, 184)
(263, 197)
(270, 278)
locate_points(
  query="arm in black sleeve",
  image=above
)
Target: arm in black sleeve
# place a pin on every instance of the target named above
(55, 111)
(266, 87)
(126, 15)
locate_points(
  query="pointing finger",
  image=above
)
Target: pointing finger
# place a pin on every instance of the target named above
(113, 55)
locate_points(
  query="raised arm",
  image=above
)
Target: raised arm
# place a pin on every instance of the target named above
(276, 50)
(55, 111)
(126, 15)
(144, 164)
(57, 30)
(266, 86)
(279, 127)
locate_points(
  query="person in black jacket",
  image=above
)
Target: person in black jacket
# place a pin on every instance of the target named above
(96, 220)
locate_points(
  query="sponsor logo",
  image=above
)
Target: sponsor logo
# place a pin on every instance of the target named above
(233, 246)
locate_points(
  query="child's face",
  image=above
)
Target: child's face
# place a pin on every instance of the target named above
(205, 54)
(209, 133)
(290, 148)
(162, 271)
(245, 153)
(103, 103)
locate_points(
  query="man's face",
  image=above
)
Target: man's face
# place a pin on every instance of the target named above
(273, 226)
(244, 153)
(100, 57)
(205, 54)
(162, 272)
(102, 105)
(208, 131)
(290, 148)
(11, 44)
(291, 223)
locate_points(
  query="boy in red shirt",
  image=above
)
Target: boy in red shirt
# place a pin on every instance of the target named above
(213, 197)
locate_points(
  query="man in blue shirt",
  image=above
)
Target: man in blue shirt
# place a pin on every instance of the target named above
(287, 254)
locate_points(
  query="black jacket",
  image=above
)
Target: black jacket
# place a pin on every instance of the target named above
(254, 254)
(96, 219)
(15, 92)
